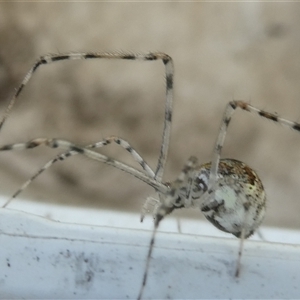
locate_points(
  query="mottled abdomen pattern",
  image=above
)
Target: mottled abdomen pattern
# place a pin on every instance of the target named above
(240, 198)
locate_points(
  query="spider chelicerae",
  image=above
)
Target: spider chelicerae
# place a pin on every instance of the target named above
(227, 191)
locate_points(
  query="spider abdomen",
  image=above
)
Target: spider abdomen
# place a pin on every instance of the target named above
(239, 198)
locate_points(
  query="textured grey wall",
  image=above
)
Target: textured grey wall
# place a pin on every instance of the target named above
(222, 51)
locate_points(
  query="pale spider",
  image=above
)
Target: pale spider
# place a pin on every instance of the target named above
(227, 191)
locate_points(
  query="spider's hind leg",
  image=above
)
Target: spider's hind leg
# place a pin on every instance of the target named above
(236, 202)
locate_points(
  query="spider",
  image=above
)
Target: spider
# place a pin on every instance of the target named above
(228, 192)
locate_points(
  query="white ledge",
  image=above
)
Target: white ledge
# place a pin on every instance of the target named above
(42, 258)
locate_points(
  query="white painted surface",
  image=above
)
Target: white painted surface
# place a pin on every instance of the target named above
(42, 258)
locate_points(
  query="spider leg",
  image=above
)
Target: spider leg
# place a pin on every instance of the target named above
(107, 141)
(70, 147)
(240, 252)
(229, 110)
(151, 56)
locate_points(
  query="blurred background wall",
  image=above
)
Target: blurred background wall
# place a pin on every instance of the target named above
(222, 51)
